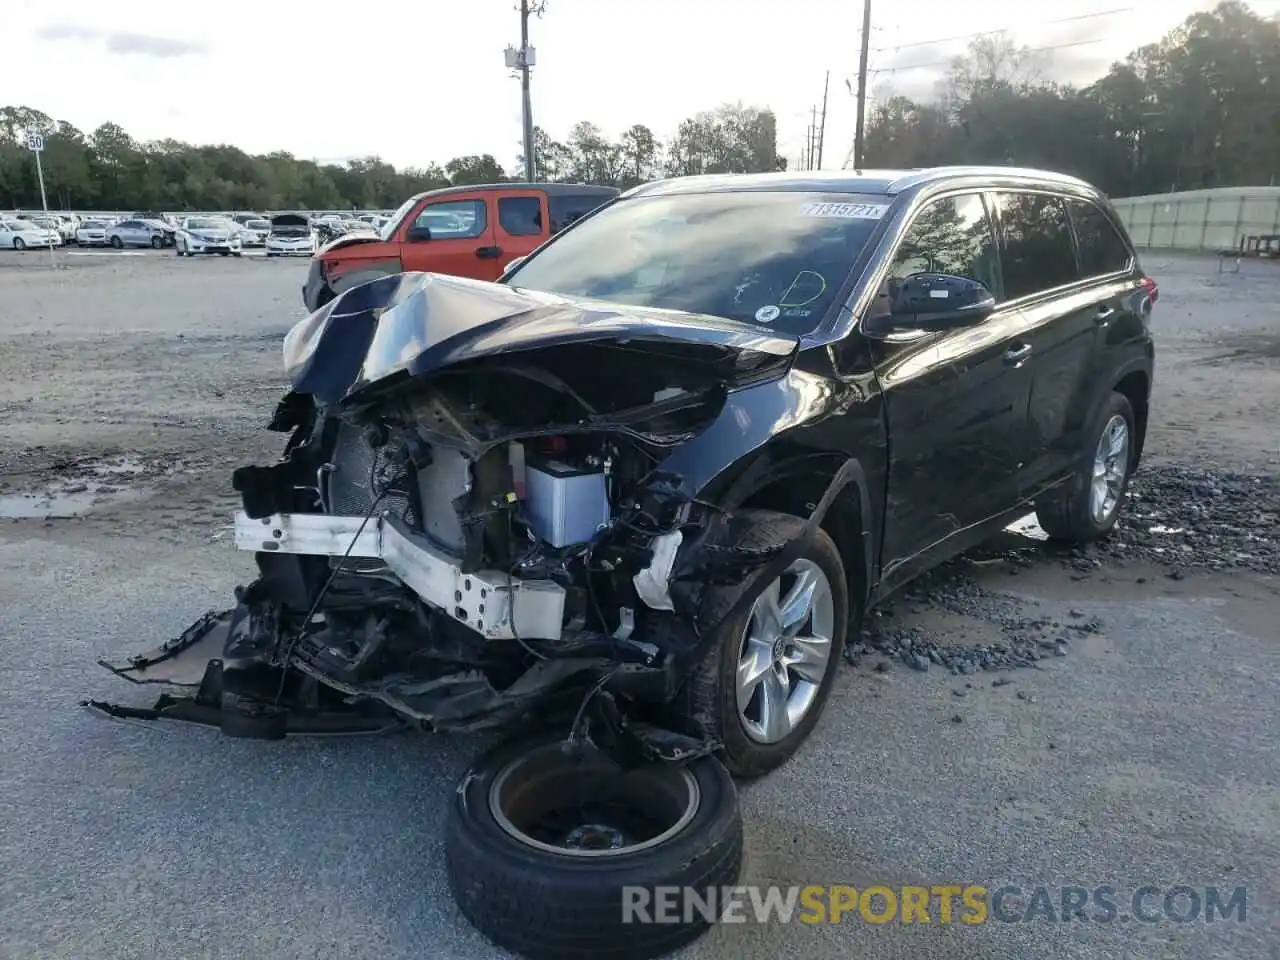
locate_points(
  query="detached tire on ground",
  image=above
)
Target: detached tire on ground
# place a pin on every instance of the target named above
(1089, 504)
(546, 849)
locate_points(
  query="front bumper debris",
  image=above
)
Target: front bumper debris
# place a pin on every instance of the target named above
(490, 602)
(253, 704)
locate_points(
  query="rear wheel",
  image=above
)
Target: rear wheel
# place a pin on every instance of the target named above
(157, 243)
(768, 676)
(546, 849)
(1089, 505)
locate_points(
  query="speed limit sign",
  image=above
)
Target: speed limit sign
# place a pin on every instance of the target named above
(35, 141)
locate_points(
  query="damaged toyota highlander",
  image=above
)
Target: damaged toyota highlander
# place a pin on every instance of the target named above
(639, 493)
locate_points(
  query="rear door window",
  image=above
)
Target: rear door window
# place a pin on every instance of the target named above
(1037, 251)
(1102, 249)
(520, 216)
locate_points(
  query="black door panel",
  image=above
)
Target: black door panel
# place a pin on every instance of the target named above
(956, 408)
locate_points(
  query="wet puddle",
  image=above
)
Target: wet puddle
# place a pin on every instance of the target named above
(103, 482)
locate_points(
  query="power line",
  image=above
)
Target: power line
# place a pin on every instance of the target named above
(948, 61)
(987, 33)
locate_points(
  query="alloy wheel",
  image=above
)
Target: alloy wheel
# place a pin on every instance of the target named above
(785, 653)
(1110, 468)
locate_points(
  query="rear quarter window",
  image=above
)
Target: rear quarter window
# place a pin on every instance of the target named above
(1102, 249)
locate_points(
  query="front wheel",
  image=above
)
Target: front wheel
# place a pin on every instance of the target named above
(1089, 505)
(763, 686)
(19, 243)
(116, 243)
(552, 853)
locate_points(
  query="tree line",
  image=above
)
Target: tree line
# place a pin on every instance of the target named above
(1198, 108)
(107, 169)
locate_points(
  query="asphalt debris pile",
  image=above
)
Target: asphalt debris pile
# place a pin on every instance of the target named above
(1021, 640)
(1185, 518)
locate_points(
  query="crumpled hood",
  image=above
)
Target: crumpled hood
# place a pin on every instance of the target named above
(415, 324)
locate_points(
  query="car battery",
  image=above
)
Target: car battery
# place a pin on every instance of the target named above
(565, 504)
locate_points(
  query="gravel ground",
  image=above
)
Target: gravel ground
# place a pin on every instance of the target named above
(1021, 716)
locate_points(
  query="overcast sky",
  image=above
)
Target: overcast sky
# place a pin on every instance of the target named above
(416, 81)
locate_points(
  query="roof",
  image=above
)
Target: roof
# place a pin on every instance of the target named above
(887, 182)
(551, 189)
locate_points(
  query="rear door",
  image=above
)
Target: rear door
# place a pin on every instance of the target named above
(522, 225)
(453, 234)
(1066, 313)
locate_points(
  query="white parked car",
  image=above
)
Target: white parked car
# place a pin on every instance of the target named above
(291, 236)
(21, 234)
(92, 233)
(254, 233)
(208, 235)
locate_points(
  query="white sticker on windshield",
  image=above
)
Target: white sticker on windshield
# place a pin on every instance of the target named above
(844, 211)
(768, 314)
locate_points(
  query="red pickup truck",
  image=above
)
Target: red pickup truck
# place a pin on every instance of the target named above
(471, 231)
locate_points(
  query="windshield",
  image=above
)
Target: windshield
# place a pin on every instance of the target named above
(15, 226)
(388, 228)
(93, 225)
(258, 225)
(774, 259)
(208, 223)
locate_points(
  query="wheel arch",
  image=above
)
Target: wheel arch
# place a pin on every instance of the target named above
(1135, 386)
(825, 488)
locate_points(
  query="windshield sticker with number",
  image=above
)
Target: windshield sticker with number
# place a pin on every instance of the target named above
(844, 211)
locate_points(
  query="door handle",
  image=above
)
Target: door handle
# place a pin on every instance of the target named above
(488, 253)
(1015, 355)
(1104, 314)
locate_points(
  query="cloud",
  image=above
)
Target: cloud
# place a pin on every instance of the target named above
(135, 44)
(148, 46)
(67, 31)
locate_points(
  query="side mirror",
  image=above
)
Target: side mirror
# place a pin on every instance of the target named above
(940, 301)
(418, 233)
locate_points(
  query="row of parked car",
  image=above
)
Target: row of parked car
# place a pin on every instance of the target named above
(229, 235)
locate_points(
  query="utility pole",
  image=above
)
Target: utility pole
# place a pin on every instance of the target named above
(813, 135)
(822, 129)
(521, 60)
(859, 141)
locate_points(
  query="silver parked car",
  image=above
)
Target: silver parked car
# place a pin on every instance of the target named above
(138, 233)
(91, 233)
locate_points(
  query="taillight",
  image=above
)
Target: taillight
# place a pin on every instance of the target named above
(1152, 289)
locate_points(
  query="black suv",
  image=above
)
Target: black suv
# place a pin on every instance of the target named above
(643, 489)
